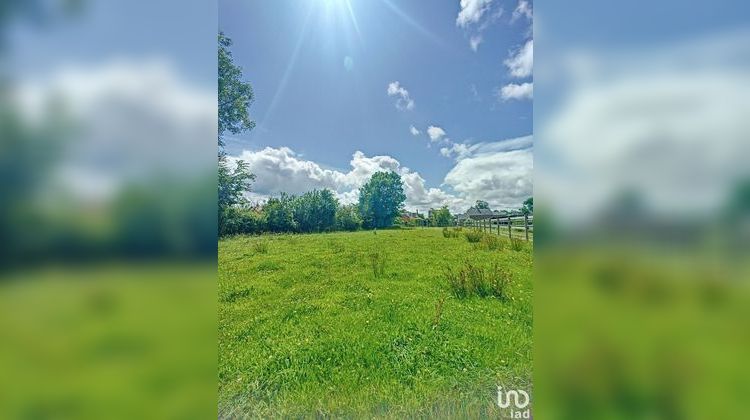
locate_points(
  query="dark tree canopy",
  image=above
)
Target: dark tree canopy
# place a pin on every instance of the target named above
(481, 204)
(528, 206)
(381, 199)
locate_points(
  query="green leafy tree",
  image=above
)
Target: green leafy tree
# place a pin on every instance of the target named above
(381, 199)
(528, 206)
(279, 214)
(481, 204)
(441, 217)
(347, 218)
(234, 98)
(315, 211)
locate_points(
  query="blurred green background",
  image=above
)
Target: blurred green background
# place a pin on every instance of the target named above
(107, 210)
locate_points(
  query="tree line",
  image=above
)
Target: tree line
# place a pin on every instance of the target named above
(380, 202)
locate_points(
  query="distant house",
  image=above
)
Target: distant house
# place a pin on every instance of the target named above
(411, 218)
(480, 214)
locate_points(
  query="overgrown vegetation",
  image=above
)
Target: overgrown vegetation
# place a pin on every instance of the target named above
(309, 316)
(471, 279)
(451, 233)
(491, 242)
(517, 244)
(474, 236)
(260, 247)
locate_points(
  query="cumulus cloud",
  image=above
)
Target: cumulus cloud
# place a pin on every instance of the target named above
(504, 179)
(515, 91)
(521, 62)
(522, 10)
(282, 170)
(403, 100)
(132, 118)
(414, 131)
(668, 123)
(477, 172)
(471, 11)
(435, 133)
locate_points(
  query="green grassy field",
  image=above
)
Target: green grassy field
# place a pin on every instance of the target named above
(307, 328)
(113, 340)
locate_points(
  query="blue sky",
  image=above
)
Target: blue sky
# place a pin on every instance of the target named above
(321, 71)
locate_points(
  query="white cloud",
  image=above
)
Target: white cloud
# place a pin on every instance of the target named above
(523, 9)
(474, 41)
(132, 118)
(435, 133)
(521, 63)
(462, 150)
(282, 170)
(403, 100)
(482, 169)
(471, 11)
(668, 122)
(502, 178)
(414, 131)
(514, 91)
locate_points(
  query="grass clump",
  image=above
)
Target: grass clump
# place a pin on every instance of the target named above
(451, 233)
(260, 247)
(517, 244)
(472, 280)
(474, 236)
(377, 263)
(491, 243)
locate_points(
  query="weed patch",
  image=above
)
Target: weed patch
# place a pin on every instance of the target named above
(473, 280)
(260, 247)
(473, 236)
(491, 243)
(451, 233)
(517, 244)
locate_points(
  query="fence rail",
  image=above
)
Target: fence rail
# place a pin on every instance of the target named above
(521, 227)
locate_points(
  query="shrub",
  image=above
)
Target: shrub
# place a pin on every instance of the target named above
(236, 221)
(315, 211)
(377, 263)
(471, 280)
(279, 214)
(516, 244)
(473, 236)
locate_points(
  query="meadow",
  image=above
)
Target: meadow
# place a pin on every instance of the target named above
(371, 324)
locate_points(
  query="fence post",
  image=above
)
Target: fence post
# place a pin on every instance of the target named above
(510, 235)
(526, 225)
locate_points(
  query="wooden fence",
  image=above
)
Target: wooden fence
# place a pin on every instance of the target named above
(521, 227)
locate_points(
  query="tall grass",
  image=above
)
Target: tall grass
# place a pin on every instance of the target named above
(438, 312)
(451, 233)
(260, 247)
(517, 244)
(377, 263)
(472, 280)
(491, 243)
(473, 236)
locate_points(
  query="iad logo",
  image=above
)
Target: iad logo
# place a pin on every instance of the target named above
(520, 402)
